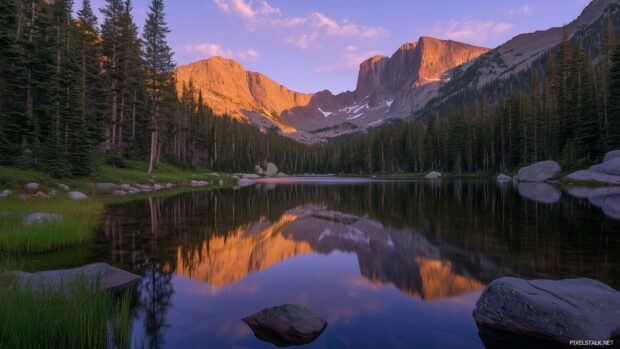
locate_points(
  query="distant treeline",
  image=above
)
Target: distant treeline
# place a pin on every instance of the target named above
(74, 94)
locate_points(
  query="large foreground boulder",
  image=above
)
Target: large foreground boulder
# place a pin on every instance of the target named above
(611, 167)
(593, 176)
(112, 279)
(287, 325)
(244, 182)
(271, 170)
(539, 172)
(555, 310)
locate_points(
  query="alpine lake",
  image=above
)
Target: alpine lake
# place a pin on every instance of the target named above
(389, 264)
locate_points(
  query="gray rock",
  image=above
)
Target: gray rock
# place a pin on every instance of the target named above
(111, 279)
(105, 186)
(259, 170)
(221, 182)
(540, 192)
(125, 187)
(271, 170)
(539, 172)
(158, 187)
(589, 175)
(214, 174)
(199, 184)
(6, 193)
(76, 195)
(244, 182)
(32, 187)
(503, 178)
(40, 218)
(556, 310)
(52, 193)
(250, 176)
(63, 187)
(287, 325)
(282, 174)
(609, 203)
(612, 155)
(41, 195)
(119, 193)
(611, 167)
(433, 175)
(169, 185)
(134, 191)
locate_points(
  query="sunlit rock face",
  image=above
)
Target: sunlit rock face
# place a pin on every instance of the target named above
(385, 256)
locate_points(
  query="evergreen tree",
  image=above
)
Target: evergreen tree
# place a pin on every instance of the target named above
(613, 138)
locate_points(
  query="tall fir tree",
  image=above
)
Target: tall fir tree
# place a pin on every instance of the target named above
(613, 138)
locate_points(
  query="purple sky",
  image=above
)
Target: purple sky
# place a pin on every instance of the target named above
(311, 45)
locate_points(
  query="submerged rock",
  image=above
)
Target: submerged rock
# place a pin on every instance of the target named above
(76, 195)
(433, 175)
(540, 192)
(271, 170)
(612, 155)
(40, 218)
(557, 310)
(503, 178)
(539, 172)
(110, 278)
(198, 184)
(287, 325)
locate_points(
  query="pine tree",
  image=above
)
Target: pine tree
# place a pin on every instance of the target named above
(587, 130)
(613, 139)
(159, 73)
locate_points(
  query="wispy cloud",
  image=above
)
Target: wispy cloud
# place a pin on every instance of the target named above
(524, 10)
(472, 31)
(206, 49)
(302, 31)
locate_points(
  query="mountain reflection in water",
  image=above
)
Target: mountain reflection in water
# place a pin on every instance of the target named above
(387, 263)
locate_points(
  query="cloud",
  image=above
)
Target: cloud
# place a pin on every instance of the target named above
(524, 10)
(302, 31)
(206, 49)
(472, 31)
(350, 60)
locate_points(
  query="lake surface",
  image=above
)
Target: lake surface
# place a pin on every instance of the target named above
(389, 264)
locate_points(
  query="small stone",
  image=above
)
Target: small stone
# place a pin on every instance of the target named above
(244, 182)
(503, 178)
(6, 193)
(76, 195)
(41, 195)
(119, 193)
(63, 187)
(433, 175)
(271, 170)
(220, 182)
(32, 187)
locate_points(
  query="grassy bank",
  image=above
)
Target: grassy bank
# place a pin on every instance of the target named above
(64, 222)
(74, 318)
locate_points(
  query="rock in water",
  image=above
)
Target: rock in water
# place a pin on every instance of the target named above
(111, 279)
(272, 170)
(76, 195)
(244, 182)
(259, 170)
(589, 175)
(539, 172)
(119, 193)
(63, 187)
(557, 310)
(287, 325)
(105, 186)
(433, 175)
(503, 178)
(540, 192)
(612, 155)
(611, 167)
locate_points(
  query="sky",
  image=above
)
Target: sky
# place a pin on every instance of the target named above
(313, 45)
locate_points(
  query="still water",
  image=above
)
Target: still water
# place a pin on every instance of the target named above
(389, 264)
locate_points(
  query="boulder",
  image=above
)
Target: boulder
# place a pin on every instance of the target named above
(541, 192)
(198, 184)
(287, 325)
(111, 279)
(271, 170)
(6, 193)
(503, 178)
(158, 187)
(611, 167)
(41, 195)
(105, 186)
(593, 176)
(119, 193)
(76, 195)
(221, 182)
(259, 170)
(63, 187)
(40, 218)
(250, 176)
(282, 174)
(244, 182)
(612, 155)
(32, 187)
(539, 172)
(433, 175)
(556, 310)
(125, 187)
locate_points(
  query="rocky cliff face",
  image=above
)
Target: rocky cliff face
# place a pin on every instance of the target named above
(387, 88)
(229, 89)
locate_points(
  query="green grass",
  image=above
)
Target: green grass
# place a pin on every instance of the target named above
(78, 317)
(78, 220)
